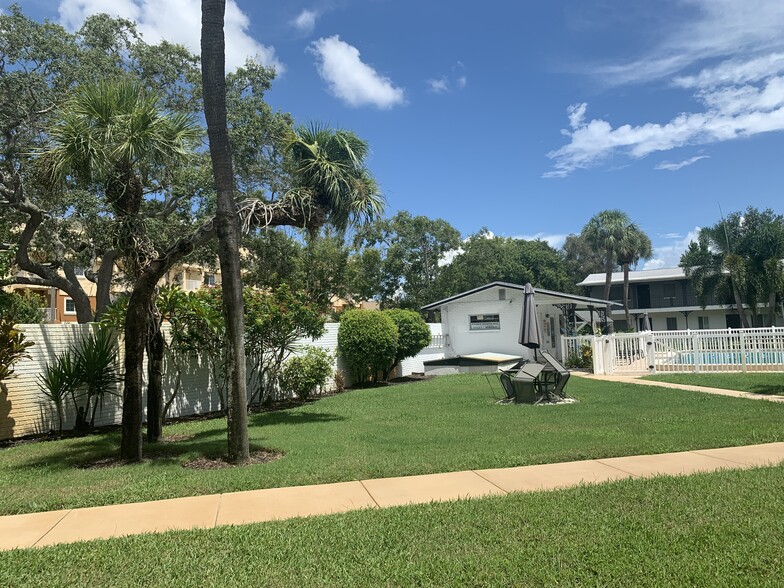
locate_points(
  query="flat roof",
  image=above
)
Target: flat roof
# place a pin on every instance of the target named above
(654, 275)
(542, 296)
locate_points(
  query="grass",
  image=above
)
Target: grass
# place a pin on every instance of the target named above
(718, 529)
(447, 424)
(770, 383)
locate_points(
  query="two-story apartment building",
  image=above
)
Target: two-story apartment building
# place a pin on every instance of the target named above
(670, 301)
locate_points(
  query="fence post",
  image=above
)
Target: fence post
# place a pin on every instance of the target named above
(743, 351)
(696, 349)
(564, 355)
(650, 352)
(597, 350)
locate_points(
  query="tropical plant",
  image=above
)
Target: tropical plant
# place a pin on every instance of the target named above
(13, 347)
(305, 373)
(59, 382)
(96, 366)
(633, 246)
(715, 268)
(605, 232)
(367, 341)
(413, 336)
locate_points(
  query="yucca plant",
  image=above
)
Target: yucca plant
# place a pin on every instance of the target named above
(59, 382)
(13, 347)
(96, 364)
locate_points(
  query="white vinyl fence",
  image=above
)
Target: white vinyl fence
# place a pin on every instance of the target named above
(25, 411)
(716, 350)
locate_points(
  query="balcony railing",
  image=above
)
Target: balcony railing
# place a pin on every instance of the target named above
(439, 341)
(670, 302)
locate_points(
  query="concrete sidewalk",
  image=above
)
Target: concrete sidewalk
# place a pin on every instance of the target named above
(637, 379)
(237, 508)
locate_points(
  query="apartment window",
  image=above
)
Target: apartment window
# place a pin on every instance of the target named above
(668, 295)
(209, 279)
(70, 307)
(79, 271)
(703, 322)
(672, 323)
(484, 322)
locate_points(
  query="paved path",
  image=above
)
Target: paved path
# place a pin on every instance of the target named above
(237, 508)
(636, 379)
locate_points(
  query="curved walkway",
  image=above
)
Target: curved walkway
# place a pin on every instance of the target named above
(237, 508)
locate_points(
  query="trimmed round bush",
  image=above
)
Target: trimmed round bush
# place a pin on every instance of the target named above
(367, 341)
(413, 335)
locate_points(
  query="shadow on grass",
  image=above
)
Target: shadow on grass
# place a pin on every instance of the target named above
(84, 452)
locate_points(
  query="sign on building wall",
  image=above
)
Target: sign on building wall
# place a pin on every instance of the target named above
(484, 322)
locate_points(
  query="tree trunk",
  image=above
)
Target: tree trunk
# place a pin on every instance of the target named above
(136, 327)
(608, 272)
(772, 309)
(155, 408)
(744, 319)
(626, 295)
(227, 223)
(103, 282)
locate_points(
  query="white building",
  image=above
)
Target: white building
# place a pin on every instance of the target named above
(487, 319)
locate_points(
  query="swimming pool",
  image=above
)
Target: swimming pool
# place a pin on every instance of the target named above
(731, 357)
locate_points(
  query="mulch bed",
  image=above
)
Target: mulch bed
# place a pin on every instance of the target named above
(256, 457)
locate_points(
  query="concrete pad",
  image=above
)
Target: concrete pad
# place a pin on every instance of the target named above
(429, 488)
(255, 506)
(24, 530)
(551, 476)
(85, 524)
(673, 464)
(750, 455)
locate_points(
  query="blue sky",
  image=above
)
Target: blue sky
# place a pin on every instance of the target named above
(524, 117)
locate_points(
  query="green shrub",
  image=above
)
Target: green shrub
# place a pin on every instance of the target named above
(13, 347)
(21, 309)
(582, 359)
(305, 373)
(367, 341)
(413, 335)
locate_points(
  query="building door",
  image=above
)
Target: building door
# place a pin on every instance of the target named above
(733, 321)
(644, 296)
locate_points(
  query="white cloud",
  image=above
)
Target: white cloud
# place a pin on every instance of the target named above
(438, 86)
(306, 21)
(352, 80)
(553, 240)
(177, 21)
(719, 28)
(675, 166)
(741, 96)
(462, 82)
(730, 112)
(669, 253)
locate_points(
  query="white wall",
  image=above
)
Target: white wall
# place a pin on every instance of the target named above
(463, 341)
(24, 410)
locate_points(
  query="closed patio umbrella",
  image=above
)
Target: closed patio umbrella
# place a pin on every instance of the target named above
(530, 331)
(646, 322)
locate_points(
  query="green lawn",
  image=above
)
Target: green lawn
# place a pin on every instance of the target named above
(718, 529)
(446, 424)
(771, 383)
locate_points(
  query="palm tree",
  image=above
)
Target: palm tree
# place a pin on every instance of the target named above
(115, 136)
(331, 183)
(634, 246)
(606, 232)
(213, 62)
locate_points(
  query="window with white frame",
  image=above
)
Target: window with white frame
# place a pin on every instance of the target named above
(484, 322)
(672, 323)
(209, 279)
(703, 322)
(70, 306)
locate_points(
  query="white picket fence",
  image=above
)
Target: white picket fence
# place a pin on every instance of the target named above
(24, 410)
(715, 350)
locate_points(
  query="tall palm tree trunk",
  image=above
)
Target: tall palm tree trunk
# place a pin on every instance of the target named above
(227, 223)
(608, 271)
(744, 319)
(626, 295)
